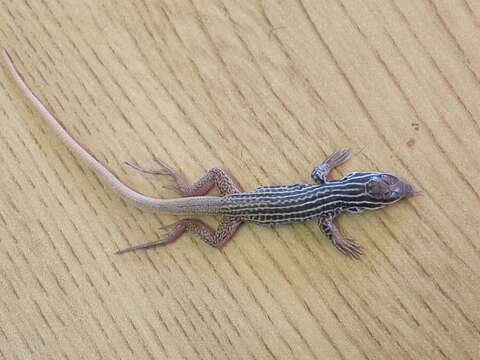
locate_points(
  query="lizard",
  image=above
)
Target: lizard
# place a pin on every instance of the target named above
(322, 201)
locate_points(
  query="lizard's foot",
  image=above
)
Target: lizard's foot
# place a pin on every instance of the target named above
(319, 174)
(226, 229)
(213, 177)
(181, 183)
(347, 246)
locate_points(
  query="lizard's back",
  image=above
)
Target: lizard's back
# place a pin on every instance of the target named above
(275, 205)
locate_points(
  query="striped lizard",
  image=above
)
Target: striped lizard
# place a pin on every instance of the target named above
(266, 205)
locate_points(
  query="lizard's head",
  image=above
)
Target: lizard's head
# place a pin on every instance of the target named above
(376, 190)
(388, 188)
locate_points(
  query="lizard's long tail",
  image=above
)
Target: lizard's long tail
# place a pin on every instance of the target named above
(181, 206)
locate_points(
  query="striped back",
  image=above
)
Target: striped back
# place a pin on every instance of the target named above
(272, 205)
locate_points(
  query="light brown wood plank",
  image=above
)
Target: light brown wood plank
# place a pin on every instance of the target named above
(264, 89)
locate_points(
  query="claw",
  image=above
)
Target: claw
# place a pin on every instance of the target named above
(337, 158)
(163, 165)
(146, 171)
(348, 247)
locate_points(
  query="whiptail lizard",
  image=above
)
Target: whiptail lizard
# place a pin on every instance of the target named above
(266, 205)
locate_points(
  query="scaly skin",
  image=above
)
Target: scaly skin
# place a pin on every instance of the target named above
(266, 205)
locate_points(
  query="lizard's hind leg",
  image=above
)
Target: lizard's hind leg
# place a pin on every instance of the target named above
(226, 229)
(214, 176)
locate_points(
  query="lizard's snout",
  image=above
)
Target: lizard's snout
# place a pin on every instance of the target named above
(404, 189)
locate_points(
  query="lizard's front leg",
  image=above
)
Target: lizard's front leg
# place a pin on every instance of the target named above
(226, 229)
(346, 245)
(319, 174)
(214, 176)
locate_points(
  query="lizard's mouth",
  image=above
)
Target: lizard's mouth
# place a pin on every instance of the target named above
(404, 189)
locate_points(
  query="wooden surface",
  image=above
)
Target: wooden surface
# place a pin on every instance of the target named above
(264, 89)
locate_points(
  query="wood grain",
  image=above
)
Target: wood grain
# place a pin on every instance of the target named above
(264, 89)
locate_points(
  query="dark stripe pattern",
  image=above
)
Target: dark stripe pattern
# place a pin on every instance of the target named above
(274, 205)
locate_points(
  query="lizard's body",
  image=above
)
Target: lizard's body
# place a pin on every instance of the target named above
(283, 204)
(266, 205)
